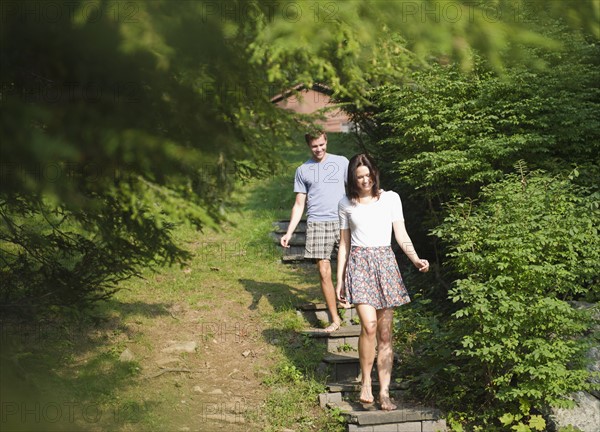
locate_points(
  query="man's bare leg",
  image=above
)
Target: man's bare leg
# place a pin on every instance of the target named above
(324, 267)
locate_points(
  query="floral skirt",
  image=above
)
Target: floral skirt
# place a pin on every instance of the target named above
(373, 277)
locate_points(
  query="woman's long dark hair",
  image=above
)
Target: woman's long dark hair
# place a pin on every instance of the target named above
(356, 161)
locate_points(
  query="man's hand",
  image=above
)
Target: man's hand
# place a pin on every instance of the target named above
(285, 240)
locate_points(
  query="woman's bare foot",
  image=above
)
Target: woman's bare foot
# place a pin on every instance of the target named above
(366, 394)
(386, 402)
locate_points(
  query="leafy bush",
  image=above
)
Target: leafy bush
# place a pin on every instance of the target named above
(53, 258)
(510, 250)
(527, 247)
(112, 131)
(445, 134)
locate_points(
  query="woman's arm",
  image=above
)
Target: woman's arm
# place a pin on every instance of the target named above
(343, 254)
(407, 247)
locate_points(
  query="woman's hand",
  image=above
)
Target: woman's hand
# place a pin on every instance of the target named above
(422, 265)
(339, 289)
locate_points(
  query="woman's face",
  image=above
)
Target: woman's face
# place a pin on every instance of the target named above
(363, 179)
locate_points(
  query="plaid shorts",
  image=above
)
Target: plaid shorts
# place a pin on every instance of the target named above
(322, 239)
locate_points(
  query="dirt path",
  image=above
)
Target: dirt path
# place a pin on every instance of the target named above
(217, 386)
(201, 340)
(224, 309)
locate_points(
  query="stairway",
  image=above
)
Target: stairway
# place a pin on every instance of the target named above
(295, 252)
(341, 366)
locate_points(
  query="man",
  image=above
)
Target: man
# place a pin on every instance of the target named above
(320, 185)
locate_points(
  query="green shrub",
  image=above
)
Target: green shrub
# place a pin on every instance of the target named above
(528, 247)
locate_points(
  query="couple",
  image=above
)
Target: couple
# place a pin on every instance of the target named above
(362, 221)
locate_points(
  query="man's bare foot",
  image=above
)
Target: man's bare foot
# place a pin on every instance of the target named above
(386, 402)
(334, 326)
(366, 394)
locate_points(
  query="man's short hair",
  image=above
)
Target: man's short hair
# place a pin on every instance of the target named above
(313, 135)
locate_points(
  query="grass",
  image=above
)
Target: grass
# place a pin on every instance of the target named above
(294, 385)
(66, 374)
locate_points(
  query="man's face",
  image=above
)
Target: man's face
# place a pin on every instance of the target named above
(318, 148)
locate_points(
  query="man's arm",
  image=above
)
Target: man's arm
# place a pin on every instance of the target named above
(297, 212)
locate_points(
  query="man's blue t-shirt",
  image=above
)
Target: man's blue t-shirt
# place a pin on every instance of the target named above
(324, 183)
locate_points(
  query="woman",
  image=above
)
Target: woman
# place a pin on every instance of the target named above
(367, 272)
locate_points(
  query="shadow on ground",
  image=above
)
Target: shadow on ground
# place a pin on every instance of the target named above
(64, 375)
(281, 296)
(302, 351)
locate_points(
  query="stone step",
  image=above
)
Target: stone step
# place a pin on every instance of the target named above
(352, 330)
(350, 389)
(342, 367)
(281, 226)
(292, 254)
(315, 313)
(296, 254)
(408, 417)
(297, 239)
(315, 306)
(345, 367)
(343, 340)
(341, 358)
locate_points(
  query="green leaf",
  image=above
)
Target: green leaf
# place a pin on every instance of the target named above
(507, 419)
(537, 422)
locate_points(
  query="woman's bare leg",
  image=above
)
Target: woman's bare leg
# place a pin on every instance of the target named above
(385, 356)
(366, 348)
